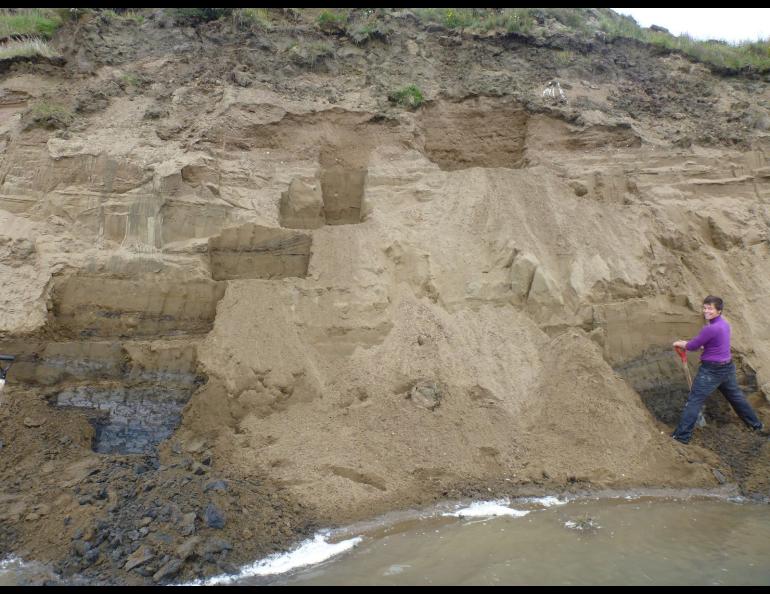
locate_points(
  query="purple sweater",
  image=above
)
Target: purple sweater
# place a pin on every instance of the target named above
(715, 340)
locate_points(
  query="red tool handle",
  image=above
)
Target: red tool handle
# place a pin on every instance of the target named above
(682, 353)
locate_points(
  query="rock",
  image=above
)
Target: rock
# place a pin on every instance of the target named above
(522, 273)
(155, 112)
(145, 522)
(218, 485)
(302, 206)
(33, 422)
(240, 78)
(195, 445)
(199, 469)
(187, 548)
(81, 547)
(544, 289)
(187, 524)
(579, 188)
(214, 517)
(598, 335)
(426, 394)
(142, 555)
(719, 476)
(168, 570)
(150, 512)
(227, 568)
(162, 537)
(722, 236)
(217, 545)
(91, 556)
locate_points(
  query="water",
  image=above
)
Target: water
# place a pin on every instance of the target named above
(542, 541)
(590, 542)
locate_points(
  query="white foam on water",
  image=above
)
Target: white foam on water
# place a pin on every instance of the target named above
(309, 552)
(546, 501)
(13, 563)
(487, 509)
(10, 567)
(8, 563)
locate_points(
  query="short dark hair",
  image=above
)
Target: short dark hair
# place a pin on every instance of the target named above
(715, 301)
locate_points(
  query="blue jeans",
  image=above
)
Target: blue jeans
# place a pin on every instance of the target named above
(710, 377)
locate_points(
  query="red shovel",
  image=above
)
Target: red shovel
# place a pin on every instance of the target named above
(683, 356)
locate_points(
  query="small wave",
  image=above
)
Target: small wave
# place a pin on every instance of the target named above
(546, 501)
(309, 552)
(486, 509)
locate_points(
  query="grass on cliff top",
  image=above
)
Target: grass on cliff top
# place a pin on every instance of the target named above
(754, 55)
(587, 22)
(29, 22)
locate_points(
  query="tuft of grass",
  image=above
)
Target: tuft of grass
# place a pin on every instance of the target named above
(563, 57)
(619, 25)
(512, 20)
(195, 16)
(135, 17)
(462, 18)
(71, 14)
(317, 50)
(49, 115)
(451, 18)
(27, 48)
(129, 79)
(29, 22)
(372, 29)
(109, 15)
(130, 16)
(516, 20)
(257, 18)
(310, 54)
(575, 19)
(410, 96)
(331, 21)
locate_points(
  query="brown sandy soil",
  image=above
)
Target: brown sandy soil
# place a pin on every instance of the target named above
(250, 297)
